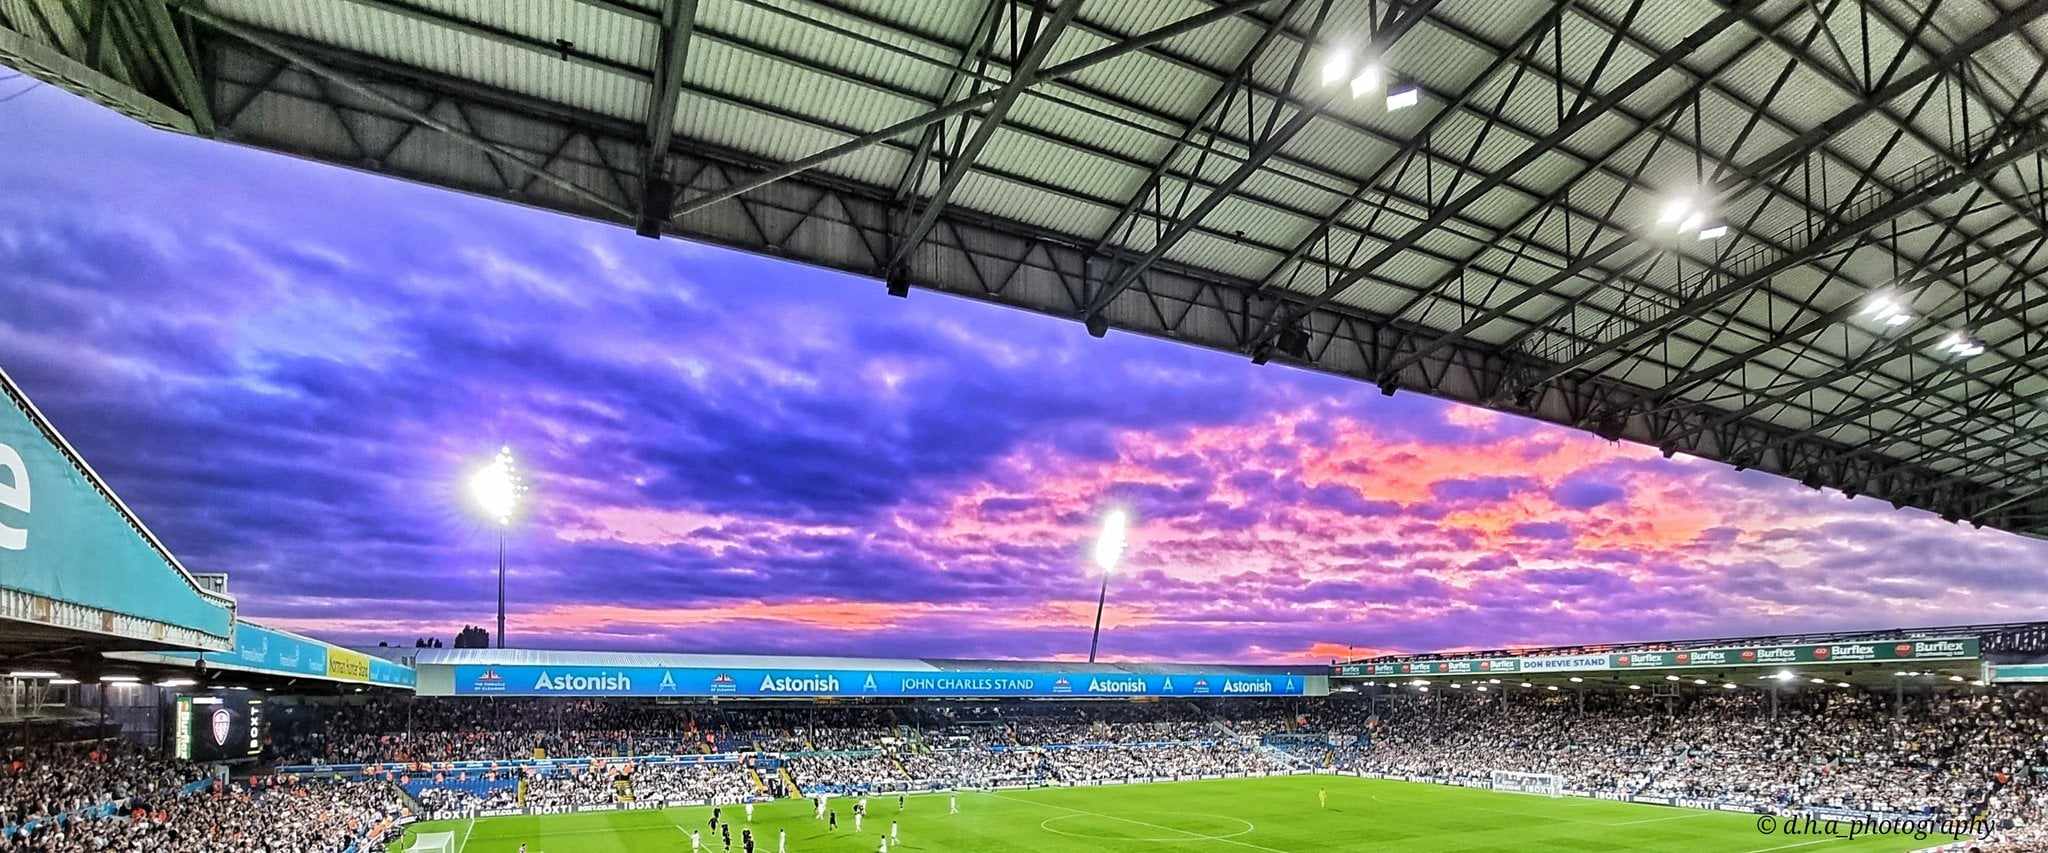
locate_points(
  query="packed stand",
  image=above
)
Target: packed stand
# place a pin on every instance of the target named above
(45, 781)
(1958, 755)
(290, 817)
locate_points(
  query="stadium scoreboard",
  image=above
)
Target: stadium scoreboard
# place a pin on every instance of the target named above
(217, 728)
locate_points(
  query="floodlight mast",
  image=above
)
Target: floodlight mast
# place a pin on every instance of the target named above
(1109, 548)
(496, 488)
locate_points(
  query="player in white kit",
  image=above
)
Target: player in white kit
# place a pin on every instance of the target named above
(952, 804)
(750, 811)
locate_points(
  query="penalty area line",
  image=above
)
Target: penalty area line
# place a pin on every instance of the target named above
(1192, 835)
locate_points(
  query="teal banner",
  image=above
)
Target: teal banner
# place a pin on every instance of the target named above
(71, 557)
(268, 650)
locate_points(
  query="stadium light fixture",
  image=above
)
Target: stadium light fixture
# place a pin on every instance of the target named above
(1841, 684)
(120, 679)
(1674, 211)
(1682, 214)
(1403, 96)
(1818, 680)
(1456, 685)
(496, 488)
(176, 682)
(1786, 675)
(1887, 309)
(1109, 546)
(32, 673)
(1900, 674)
(1700, 682)
(1962, 345)
(1977, 682)
(1671, 678)
(1109, 550)
(1578, 680)
(1482, 688)
(1729, 686)
(1368, 80)
(63, 682)
(1553, 688)
(1337, 66)
(1955, 678)
(1493, 681)
(1635, 687)
(1527, 684)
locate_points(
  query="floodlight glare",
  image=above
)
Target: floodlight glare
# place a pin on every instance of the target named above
(1714, 232)
(1337, 66)
(1368, 80)
(1109, 547)
(1674, 211)
(495, 487)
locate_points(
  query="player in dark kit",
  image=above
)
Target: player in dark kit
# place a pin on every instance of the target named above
(899, 802)
(747, 840)
(726, 831)
(832, 819)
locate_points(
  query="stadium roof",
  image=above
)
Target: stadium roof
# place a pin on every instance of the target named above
(539, 657)
(1199, 170)
(2030, 632)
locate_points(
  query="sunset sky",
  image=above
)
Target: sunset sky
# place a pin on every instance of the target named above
(289, 370)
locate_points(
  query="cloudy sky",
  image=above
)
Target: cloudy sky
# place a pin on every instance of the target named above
(289, 371)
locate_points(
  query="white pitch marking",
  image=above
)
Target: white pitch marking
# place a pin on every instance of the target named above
(1189, 833)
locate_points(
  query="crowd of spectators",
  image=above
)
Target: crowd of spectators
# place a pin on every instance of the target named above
(1955, 755)
(289, 817)
(45, 781)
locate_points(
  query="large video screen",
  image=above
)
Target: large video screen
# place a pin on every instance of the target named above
(218, 728)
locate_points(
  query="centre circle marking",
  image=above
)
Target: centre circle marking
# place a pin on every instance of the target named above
(1185, 834)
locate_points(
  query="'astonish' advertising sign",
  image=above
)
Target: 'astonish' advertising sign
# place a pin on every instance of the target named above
(531, 680)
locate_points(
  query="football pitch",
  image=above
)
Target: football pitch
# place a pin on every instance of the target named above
(1276, 815)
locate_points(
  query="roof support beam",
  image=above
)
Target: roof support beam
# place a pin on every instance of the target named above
(1217, 100)
(1064, 69)
(974, 53)
(1749, 176)
(657, 193)
(498, 153)
(1570, 127)
(1025, 71)
(1415, 144)
(1382, 41)
(1953, 374)
(2013, 149)
(178, 63)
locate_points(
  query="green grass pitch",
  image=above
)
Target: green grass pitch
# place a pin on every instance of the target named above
(1276, 815)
